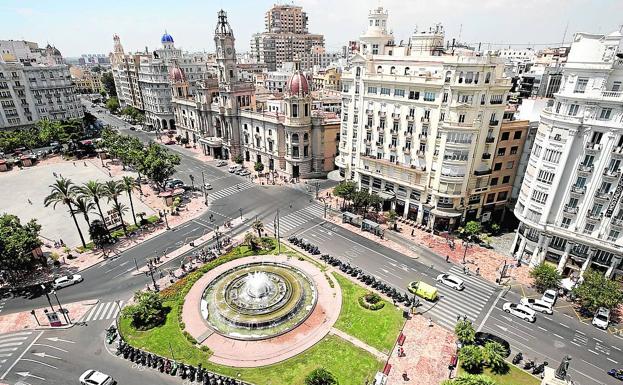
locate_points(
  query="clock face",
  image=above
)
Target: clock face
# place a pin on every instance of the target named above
(228, 50)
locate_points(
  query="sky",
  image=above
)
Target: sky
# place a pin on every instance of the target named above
(80, 27)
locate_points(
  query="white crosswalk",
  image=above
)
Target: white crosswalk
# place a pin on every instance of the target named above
(231, 190)
(293, 220)
(103, 311)
(469, 301)
(10, 343)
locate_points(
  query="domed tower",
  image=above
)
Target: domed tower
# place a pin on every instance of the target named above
(167, 41)
(225, 50)
(178, 80)
(53, 55)
(118, 48)
(298, 99)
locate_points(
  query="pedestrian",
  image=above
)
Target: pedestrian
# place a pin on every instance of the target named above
(447, 258)
(430, 322)
(404, 375)
(109, 174)
(458, 318)
(74, 162)
(412, 232)
(55, 176)
(85, 164)
(61, 242)
(29, 201)
(464, 269)
(478, 271)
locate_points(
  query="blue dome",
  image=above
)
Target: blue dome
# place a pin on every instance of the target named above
(166, 38)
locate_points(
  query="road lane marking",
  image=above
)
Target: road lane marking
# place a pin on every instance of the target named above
(542, 328)
(597, 339)
(52, 347)
(592, 351)
(484, 320)
(611, 360)
(39, 362)
(579, 332)
(21, 355)
(563, 325)
(567, 315)
(615, 348)
(575, 343)
(559, 336)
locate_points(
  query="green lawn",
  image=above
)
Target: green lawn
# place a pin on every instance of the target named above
(515, 376)
(377, 328)
(351, 365)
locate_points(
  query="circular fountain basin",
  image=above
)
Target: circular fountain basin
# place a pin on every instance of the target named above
(258, 300)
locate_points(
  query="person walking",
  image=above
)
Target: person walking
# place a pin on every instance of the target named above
(447, 258)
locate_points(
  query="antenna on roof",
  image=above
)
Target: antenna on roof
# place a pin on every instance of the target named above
(564, 35)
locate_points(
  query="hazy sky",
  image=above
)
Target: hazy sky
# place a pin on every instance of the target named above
(78, 27)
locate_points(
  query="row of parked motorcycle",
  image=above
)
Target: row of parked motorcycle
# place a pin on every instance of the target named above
(305, 245)
(371, 281)
(164, 365)
(530, 365)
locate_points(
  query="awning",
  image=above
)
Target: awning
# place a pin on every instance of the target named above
(448, 214)
(385, 195)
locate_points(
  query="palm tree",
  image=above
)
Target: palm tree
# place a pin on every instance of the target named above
(84, 207)
(121, 209)
(494, 354)
(250, 240)
(128, 183)
(112, 189)
(94, 191)
(63, 191)
(258, 226)
(471, 358)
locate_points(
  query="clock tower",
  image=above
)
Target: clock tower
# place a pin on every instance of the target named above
(225, 51)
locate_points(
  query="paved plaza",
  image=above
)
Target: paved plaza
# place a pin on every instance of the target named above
(23, 192)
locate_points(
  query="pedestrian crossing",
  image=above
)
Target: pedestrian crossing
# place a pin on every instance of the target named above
(103, 311)
(10, 343)
(297, 218)
(469, 302)
(231, 190)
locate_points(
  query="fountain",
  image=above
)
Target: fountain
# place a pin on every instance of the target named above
(258, 300)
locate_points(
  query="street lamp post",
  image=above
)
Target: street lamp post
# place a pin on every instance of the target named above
(465, 246)
(65, 315)
(240, 209)
(47, 296)
(216, 235)
(163, 213)
(192, 181)
(151, 273)
(205, 191)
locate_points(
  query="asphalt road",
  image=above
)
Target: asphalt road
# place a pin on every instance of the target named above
(550, 338)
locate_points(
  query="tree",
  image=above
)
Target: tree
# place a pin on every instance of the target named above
(597, 291)
(391, 218)
(109, 84)
(251, 240)
(99, 233)
(158, 164)
(494, 354)
(94, 191)
(258, 226)
(375, 202)
(129, 184)
(112, 189)
(470, 379)
(17, 241)
(259, 166)
(63, 191)
(360, 199)
(345, 190)
(545, 277)
(471, 358)
(112, 104)
(320, 376)
(472, 228)
(465, 332)
(238, 159)
(84, 207)
(147, 312)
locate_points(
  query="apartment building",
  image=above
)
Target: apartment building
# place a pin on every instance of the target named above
(416, 122)
(286, 38)
(85, 80)
(224, 117)
(568, 204)
(34, 85)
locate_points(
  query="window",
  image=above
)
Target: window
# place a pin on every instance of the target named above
(429, 96)
(496, 99)
(545, 177)
(379, 69)
(589, 228)
(605, 113)
(382, 123)
(461, 118)
(552, 155)
(558, 104)
(501, 151)
(573, 203)
(510, 165)
(517, 135)
(537, 150)
(565, 222)
(392, 70)
(487, 77)
(613, 235)
(494, 182)
(573, 110)
(505, 135)
(385, 91)
(502, 195)
(372, 90)
(490, 198)
(506, 179)
(580, 85)
(497, 167)
(539, 196)
(398, 92)
(514, 150)
(414, 95)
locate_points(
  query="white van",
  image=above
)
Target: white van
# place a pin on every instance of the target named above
(235, 168)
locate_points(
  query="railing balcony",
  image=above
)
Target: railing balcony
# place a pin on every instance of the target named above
(593, 146)
(425, 120)
(396, 116)
(482, 172)
(486, 156)
(382, 114)
(410, 118)
(617, 152)
(612, 94)
(379, 144)
(392, 147)
(489, 139)
(612, 173)
(423, 136)
(493, 122)
(570, 210)
(445, 205)
(603, 195)
(594, 216)
(393, 132)
(406, 150)
(578, 189)
(585, 168)
(420, 152)
(367, 142)
(408, 134)
(370, 112)
(368, 128)
(617, 222)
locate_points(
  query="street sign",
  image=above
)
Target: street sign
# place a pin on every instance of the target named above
(53, 319)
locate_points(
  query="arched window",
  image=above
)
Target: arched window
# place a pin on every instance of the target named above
(406, 70)
(305, 137)
(295, 138)
(392, 70)
(379, 70)
(448, 76)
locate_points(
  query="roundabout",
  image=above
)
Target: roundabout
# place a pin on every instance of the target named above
(260, 310)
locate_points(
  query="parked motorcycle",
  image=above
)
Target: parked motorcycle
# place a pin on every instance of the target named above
(529, 364)
(517, 359)
(616, 373)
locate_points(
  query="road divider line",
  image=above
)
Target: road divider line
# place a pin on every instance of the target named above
(611, 360)
(484, 320)
(39, 362)
(564, 326)
(558, 335)
(592, 351)
(21, 355)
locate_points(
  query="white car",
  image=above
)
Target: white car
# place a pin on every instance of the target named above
(537, 305)
(207, 186)
(601, 319)
(93, 377)
(221, 163)
(235, 168)
(519, 310)
(550, 296)
(243, 172)
(67, 280)
(451, 280)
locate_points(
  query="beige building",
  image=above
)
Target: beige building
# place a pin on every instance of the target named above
(329, 79)
(85, 80)
(416, 121)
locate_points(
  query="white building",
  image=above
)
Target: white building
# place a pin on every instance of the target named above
(419, 125)
(34, 85)
(568, 204)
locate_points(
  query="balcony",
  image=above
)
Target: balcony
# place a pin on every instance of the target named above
(408, 134)
(603, 195)
(410, 118)
(594, 216)
(445, 205)
(617, 152)
(493, 122)
(612, 94)
(379, 144)
(593, 147)
(486, 156)
(482, 172)
(370, 112)
(585, 168)
(490, 139)
(420, 152)
(406, 150)
(570, 210)
(393, 132)
(423, 136)
(382, 114)
(392, 147)
(396, 116)
(581, 190)
(618, 222)
(614, 174)
(425, 120)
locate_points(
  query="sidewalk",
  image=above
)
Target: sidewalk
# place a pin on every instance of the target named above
(359, 344)
(25, 320)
